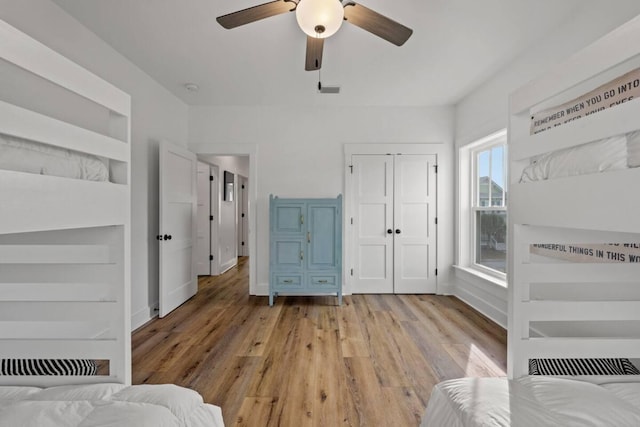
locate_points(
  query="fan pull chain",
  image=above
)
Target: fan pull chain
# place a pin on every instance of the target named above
(319, 81)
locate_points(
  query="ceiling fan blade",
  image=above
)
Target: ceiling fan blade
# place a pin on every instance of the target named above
(256, 13)
(314, 53)
(377, 24)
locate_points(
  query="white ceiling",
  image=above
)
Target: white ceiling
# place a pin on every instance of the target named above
(456, 45)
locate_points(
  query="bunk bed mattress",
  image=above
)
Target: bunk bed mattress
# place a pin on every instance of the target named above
(609, 154)
(163, 405)
(532, 402)
(22, 155)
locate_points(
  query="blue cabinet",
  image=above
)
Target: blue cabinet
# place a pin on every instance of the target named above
(305, 247)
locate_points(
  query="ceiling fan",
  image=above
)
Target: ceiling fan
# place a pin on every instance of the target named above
(320, 19)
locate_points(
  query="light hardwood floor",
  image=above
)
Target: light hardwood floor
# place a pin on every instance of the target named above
(307, 362)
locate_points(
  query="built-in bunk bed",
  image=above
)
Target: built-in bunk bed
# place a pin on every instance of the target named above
(65, 190)
(574, 251)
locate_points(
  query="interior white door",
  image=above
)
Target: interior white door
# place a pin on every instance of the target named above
(177, 236)
(372, 222)
(215, 213)
(394, 205)
(414, 237)
(203, 233)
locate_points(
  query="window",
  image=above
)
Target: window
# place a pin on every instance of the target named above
(489, 204)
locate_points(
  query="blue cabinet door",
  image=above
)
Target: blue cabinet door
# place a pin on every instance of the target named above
(287, 254)
(322, 236)
(288, 218)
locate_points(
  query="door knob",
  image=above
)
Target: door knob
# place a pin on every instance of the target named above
(397, 231)
(159, 237)
(389, 231)
(167, 237)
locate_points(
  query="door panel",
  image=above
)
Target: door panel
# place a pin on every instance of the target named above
(414, 207)
(373, 206)
(177, 236)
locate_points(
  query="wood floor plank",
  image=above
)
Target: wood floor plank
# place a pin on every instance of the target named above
(330, 408)
(307, 361)
(366, 392)
(351, 338)
(403, 406)
(441, 363)
(255, 411)
(384, 351)
(259, 331)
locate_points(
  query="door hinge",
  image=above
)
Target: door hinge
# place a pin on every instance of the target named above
(436, 167)
(351, 167)
(242, 214)
(242, 243)
(210, 177)
(352, 271)
(210, 257)
(436, 220)
(243, 187)
(351, 220)
(436, 271)
(210, 217)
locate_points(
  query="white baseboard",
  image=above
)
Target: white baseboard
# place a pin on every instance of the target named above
(144, 315)
(228, 265)
(483, 295)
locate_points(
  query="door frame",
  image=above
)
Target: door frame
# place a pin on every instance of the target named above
(242, 206)
(437, 149)
(250, 150)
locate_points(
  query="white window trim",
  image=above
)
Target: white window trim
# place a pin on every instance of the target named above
(467, 166)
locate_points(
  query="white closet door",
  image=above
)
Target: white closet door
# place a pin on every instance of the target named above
(414, 224)
(394, 206)
(177, 236)
(373, 207)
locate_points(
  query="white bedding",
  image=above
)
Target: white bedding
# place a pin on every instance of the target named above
(615, 153)
(114, 405)
(21, 155)
(532, 401)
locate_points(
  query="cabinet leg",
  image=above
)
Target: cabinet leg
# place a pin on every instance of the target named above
(339, 298)
(270, 299)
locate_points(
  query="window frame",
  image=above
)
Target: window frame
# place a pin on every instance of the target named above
(475, 149)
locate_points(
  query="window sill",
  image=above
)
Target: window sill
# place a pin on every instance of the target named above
(474, 273)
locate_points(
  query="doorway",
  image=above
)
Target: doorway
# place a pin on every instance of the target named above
(205, 153)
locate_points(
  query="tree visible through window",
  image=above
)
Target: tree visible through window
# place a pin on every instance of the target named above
(489, 206)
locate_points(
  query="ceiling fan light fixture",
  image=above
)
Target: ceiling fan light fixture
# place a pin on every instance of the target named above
(320, 18)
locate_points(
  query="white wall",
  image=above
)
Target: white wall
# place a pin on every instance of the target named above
(156, 114)
(485, 110)
(300, 154)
